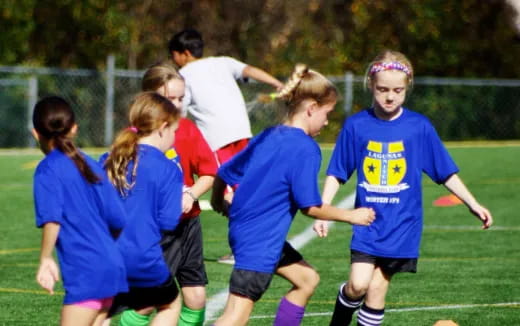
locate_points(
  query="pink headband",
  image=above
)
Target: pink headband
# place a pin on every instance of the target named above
(133, 129)
(394, 65)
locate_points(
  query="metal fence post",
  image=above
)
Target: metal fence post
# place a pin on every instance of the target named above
(349, 91)
(32, 98)
(109, 106)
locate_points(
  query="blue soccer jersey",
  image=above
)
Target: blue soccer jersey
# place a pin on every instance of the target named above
(277, 174)
(91, 265)
(390, 157)
(153, 205)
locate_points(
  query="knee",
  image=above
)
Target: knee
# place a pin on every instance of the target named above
(309, 282)
(356, 289)
(194, 297)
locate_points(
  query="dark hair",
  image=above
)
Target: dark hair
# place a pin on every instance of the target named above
(188, 39)
(53, 119)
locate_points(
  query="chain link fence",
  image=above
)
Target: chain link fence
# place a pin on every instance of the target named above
(460, 109)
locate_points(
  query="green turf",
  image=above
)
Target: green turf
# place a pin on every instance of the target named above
(465, 274)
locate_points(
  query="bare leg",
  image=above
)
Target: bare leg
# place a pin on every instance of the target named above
(194, 297)
(167, 315)
(304, 279)
(73, 315)
(377, 289)
(237, 311)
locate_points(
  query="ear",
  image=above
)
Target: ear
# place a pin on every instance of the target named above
(163, 126)
(35, 134)
(73, 131)
(311, 107)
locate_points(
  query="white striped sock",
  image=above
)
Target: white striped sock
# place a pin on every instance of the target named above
(369, 317)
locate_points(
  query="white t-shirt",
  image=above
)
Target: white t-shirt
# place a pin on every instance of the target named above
(215, 101)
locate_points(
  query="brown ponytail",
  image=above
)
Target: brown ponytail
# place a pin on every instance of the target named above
(148, 112)
(53, 119)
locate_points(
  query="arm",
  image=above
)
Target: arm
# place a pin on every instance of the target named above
(217, 197)
(48, 271)
(459, 189)
(261, 76)
(330, 189)
(199, 188)
(359, 216)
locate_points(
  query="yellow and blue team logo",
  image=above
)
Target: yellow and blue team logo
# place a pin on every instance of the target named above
(172, 155)
(384, 167)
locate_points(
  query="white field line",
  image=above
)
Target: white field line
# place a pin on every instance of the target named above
(216, 303)
(396, 310)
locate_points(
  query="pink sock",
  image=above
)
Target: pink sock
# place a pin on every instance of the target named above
(288, 314)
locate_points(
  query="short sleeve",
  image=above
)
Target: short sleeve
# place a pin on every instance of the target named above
(304, 180)
(206, 163)
(234, 66)
(342, 161)
(437, 162)
(48, 196)
(170, 197)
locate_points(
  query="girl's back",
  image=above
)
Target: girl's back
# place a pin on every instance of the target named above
(152, 205)
(275, 173)
(86, 213)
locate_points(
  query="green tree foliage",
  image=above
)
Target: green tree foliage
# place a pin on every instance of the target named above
(470, 38)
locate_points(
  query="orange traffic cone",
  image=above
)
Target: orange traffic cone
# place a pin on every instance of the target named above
(447, 200)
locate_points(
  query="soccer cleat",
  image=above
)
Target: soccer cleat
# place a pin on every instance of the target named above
(227, 259)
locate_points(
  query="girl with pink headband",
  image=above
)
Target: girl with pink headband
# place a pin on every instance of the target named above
(389, 146)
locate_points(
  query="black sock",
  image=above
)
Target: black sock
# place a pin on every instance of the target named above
(370, 317)
(344, 308)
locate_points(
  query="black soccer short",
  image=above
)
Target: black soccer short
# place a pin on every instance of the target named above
(389, 265)
(289, 256)
(183, 253)
(138, 297)
(252, 284)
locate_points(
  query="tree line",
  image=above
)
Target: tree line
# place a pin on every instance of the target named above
(459, 38)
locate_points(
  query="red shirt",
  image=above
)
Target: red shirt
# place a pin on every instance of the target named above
(196, 158)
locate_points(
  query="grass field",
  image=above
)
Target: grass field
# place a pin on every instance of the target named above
(465, 274)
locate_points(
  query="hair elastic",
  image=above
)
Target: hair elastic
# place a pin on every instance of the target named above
(133, 129)
(394, 65)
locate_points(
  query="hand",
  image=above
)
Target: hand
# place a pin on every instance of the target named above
(221, 204)
(482, 214)
(187, 202)
(321, 228)
(48, 274)
(363, 216)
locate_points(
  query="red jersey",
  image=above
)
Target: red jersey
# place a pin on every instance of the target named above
(196, 158)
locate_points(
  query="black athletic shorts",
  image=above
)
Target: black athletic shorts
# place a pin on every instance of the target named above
(252, 284)
(182, 251)
(138, 298)
(289, 256)
(389, 265)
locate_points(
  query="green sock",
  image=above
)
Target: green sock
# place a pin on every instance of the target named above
(190, 317)
(132, 318)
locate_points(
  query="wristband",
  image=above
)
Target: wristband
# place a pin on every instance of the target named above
(191, 195)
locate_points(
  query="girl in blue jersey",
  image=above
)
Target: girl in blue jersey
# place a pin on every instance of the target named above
(389, 147)
(79, 210)
(151, 188)
(278, 175)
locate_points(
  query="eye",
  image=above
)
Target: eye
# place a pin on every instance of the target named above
(399, 90)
